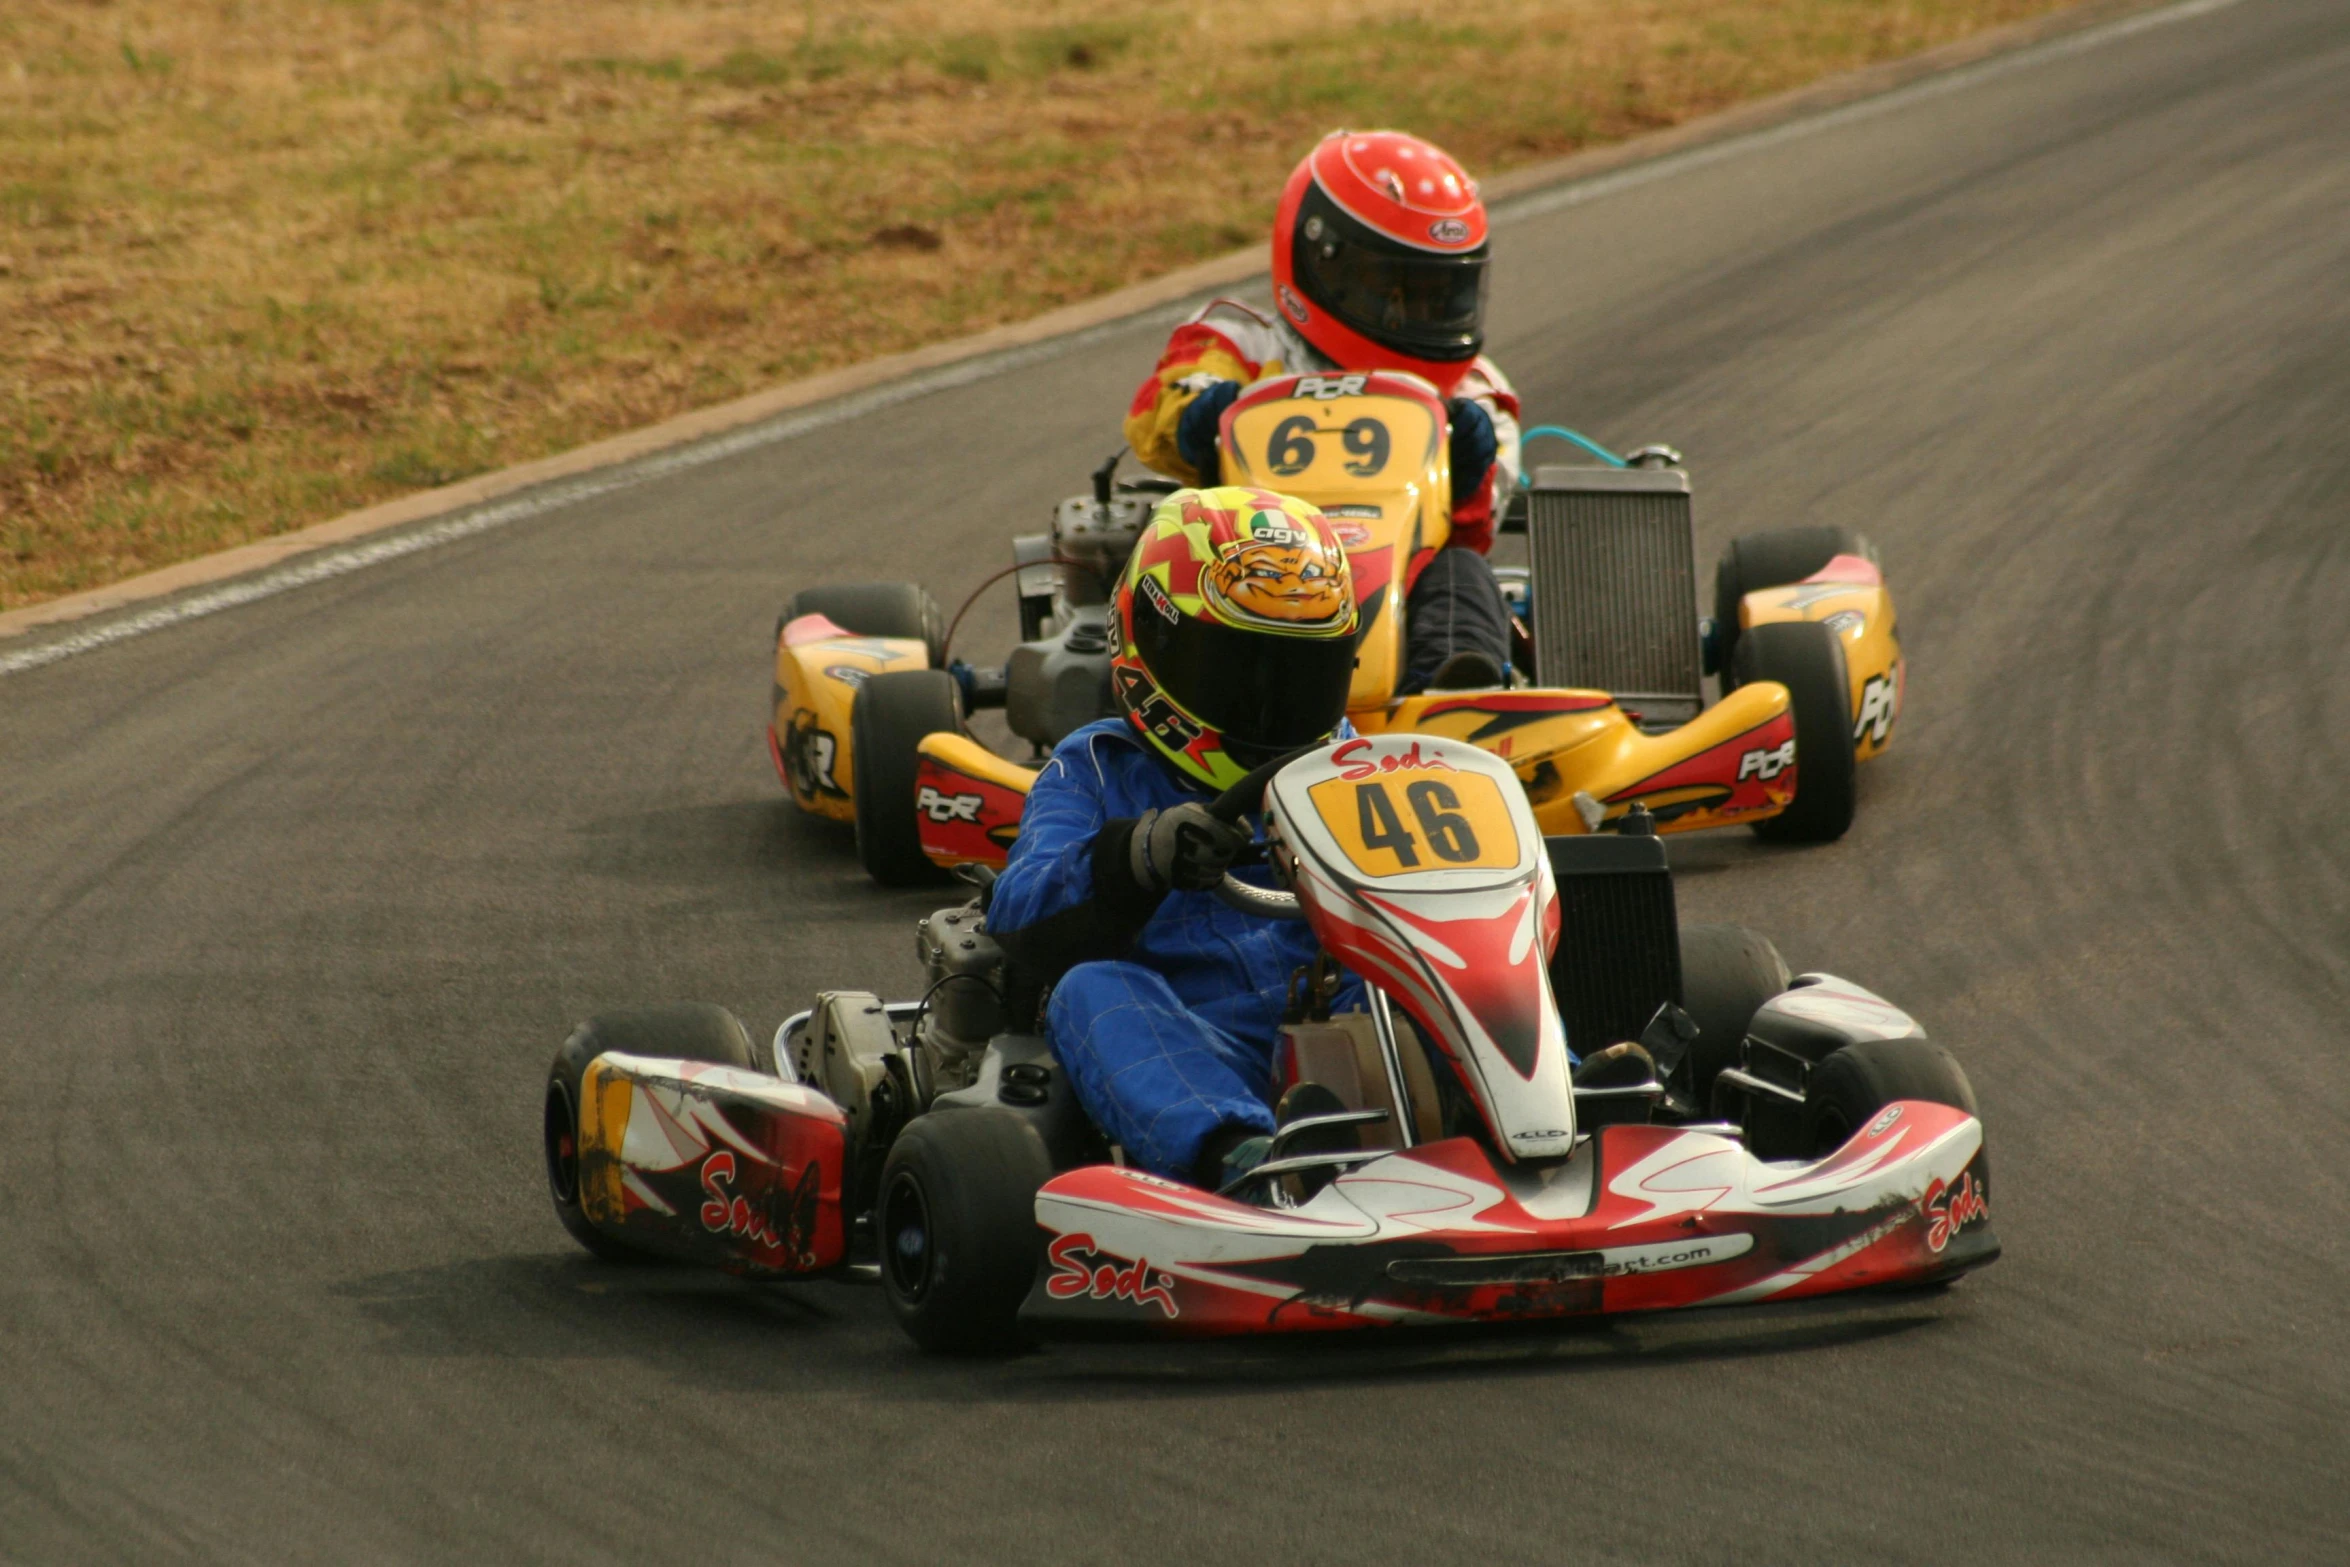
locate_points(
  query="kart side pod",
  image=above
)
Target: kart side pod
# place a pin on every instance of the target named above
(716, 1165)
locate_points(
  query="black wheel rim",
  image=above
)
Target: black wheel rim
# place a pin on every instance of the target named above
(562, 1144)
(906, 1249)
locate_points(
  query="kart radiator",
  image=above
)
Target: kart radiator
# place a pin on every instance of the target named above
(1619, 951)
(1614, 557)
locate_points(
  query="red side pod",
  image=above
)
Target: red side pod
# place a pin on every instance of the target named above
(1743, 776)
(962, 818)
(1443, 1232)
(714, 1165)
(1849, 568)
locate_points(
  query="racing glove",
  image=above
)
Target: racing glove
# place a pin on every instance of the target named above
(1196, 429)
(1182, 848)
(1473, 446)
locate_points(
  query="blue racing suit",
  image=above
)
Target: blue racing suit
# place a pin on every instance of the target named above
(1165, 1006)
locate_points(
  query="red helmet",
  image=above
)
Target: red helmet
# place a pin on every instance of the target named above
(1379, 255)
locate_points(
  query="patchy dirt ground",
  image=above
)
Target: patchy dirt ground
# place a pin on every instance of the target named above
(262, 261)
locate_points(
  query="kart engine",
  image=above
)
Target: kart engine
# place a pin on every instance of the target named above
(1058, 679)
(963, 986)
(1091, 539)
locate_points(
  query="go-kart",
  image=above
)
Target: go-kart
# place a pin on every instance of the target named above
(869, 718)
(1794, 1137)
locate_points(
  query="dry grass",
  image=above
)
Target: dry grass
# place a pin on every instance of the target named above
(262, 261)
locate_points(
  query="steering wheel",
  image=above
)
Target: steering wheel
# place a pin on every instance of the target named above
(1230, 806)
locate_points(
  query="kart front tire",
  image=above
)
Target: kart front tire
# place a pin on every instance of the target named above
(873, 609)
(1808, 659)
(893, 713)
(684, 1033)
(1851, 1085)
(1727, 973)
(956, 1223)
(1773, 559)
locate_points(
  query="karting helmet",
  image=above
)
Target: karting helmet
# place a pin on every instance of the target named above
(1379, 256)
(1236, 631)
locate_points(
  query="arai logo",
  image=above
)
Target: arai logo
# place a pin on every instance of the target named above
(1448, 231)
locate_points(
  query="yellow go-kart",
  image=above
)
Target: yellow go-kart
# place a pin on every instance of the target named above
(1606, 708)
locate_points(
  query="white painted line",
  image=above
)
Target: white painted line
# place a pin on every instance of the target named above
(568, 492)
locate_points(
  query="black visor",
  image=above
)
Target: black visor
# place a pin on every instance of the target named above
(1264, 692)
(1413, 301)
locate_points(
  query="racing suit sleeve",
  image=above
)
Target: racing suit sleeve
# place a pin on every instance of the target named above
(1068, 896)
(1473, 516)
(1197, 357)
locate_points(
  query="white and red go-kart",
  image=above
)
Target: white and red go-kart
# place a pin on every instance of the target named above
(1801, 1137)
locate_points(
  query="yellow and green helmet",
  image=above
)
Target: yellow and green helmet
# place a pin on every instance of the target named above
(1236, 630)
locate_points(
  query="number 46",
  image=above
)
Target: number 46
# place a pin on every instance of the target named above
(1437, 809)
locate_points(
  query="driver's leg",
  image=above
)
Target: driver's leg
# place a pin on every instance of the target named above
(1456, 627)
(1156, 1078)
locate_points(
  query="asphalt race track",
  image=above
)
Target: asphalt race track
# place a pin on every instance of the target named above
(296, 901)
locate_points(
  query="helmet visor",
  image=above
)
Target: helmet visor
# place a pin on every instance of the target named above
(1263, 693)
(1429, 306)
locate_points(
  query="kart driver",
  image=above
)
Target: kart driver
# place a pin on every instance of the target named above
(1236, 619)
(1378, 264)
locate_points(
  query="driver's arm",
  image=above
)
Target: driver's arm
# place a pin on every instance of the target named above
(1081, 884)
(1067, 897)
(1474, 508)
(1225, 345)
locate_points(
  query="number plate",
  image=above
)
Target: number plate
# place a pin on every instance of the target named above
(1336, 445)
(1418, 819)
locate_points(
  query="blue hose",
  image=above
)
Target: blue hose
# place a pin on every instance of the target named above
(1561, 432)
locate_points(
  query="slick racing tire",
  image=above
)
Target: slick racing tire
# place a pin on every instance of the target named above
(893, 713)
(1727, 973)
(956, 1223)
(684, 1033)
(873, 609)
(1772, 559)
(1851, 1085)
(1808, 659)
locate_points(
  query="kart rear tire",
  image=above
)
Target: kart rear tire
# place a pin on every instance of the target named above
(687, 1032)
(1851, 1085)
(956, 1223)
(873, 609)
(1808, 659)
(1727, 973)
(1773, 559)
(893, 713)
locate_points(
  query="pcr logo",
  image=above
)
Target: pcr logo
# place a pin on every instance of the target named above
(948, 807)
(1327, 388)
(1767, 764)
(1879, 703)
